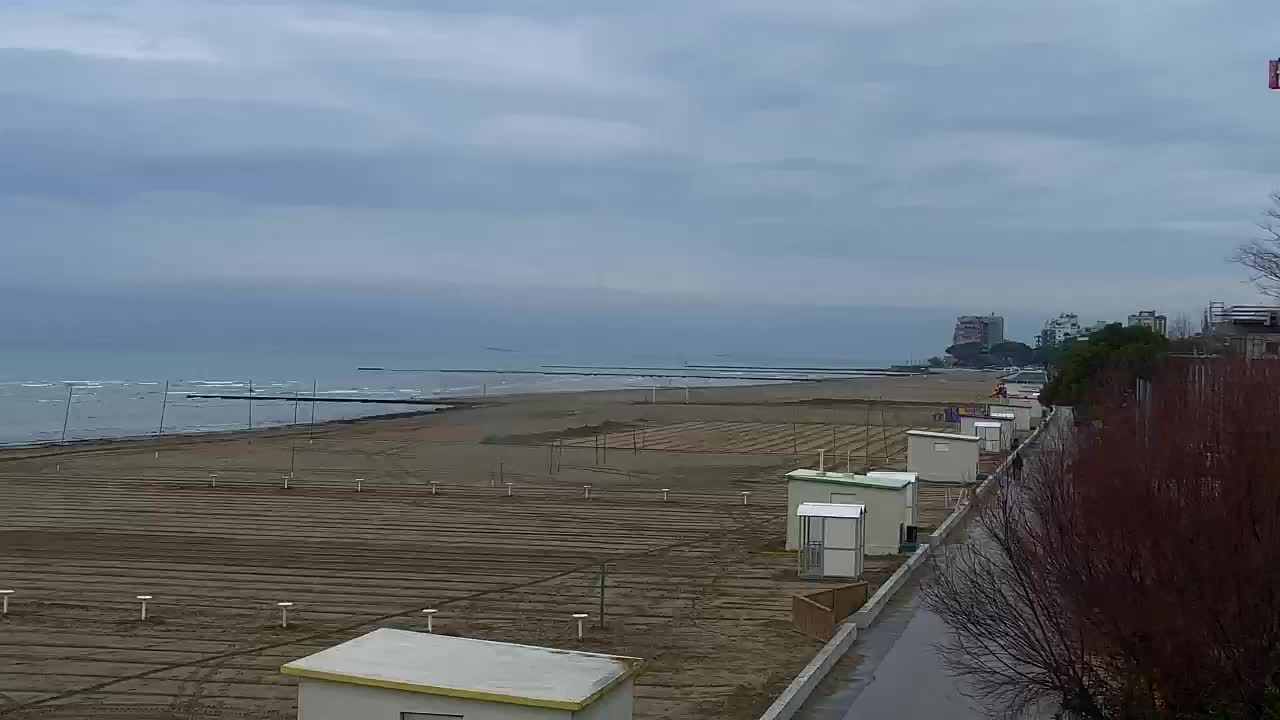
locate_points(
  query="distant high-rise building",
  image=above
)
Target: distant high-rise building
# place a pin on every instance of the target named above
(1060, 329)
(1149, 319)
(987, 330)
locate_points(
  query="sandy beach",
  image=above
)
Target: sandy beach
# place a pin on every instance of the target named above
(480, 512)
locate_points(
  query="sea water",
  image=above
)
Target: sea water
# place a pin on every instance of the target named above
(119, 394)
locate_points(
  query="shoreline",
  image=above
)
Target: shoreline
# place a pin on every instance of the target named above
(15, 451)
(136, 442)
(41, 449)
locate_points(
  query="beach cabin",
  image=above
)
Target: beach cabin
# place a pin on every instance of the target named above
(912, 488)
(1001, 440)
(1021, 414)
(1025, 383)
(989, 434)
(401, 675)
(1012, 428)
(886, 501)
(832, 539)
(1032, 405)
(942, 457)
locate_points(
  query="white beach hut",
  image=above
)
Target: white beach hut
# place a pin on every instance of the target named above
(989, 433)
(1003, 436)
(889, 500)
(1021, 414)
(832, 539)
(942, 457)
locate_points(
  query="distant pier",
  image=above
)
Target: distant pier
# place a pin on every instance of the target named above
(305, 399)
(689, 373)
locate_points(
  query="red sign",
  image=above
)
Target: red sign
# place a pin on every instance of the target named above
(1274, 77)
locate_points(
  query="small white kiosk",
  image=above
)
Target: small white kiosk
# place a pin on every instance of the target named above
(998, 440)
(888, 499)
(833, 539)
(1023, 414)
(989, 435)
(400, 675)
(1007, 415)
(942, 457)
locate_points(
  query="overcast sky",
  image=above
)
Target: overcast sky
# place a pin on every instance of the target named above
(963, 156)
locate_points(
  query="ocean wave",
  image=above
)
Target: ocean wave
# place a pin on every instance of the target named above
(36, 385)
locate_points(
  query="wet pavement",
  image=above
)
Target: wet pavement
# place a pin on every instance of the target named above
(894, 670)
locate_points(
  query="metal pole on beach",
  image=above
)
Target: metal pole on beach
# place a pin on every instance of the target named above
(866, 446)
(66, 415)
(250, 404)
(311, 428)
(164, 405)
(604, 571)
(884, 439)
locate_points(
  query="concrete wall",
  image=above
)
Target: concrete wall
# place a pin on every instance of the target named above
(870, 610)
(959, 464)
(802, 686)
(324, 700)
(886, 510)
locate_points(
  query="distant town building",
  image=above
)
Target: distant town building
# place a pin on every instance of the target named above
(1060, 329)
(1096, 326)
(1250, 330)
(1149, 319)
(985, 329)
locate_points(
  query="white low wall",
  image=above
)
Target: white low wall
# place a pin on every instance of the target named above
(792, 699)
(867, 614)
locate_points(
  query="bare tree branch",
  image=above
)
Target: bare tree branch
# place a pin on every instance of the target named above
(1261, 256)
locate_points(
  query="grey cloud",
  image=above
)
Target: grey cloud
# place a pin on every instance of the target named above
(714, 137)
